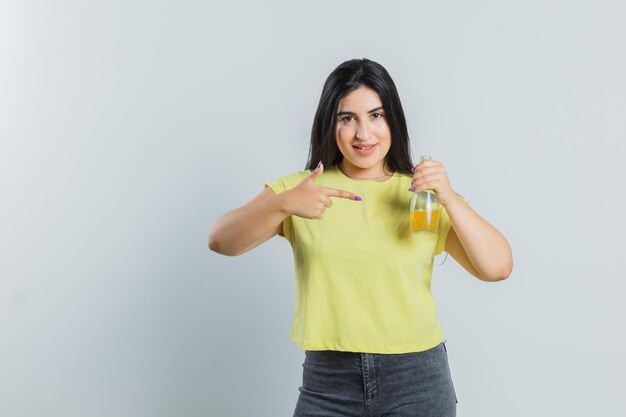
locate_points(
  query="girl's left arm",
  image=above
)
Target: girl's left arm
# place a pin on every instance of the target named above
(474, 243)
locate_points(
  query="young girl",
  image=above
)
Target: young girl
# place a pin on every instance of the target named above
(364, 313)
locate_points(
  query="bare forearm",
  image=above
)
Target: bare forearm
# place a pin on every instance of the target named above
(246, 227)
(487, 249)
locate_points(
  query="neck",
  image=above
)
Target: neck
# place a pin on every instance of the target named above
(367, 175)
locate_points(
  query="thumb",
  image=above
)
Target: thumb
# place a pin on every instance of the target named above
(317, 172)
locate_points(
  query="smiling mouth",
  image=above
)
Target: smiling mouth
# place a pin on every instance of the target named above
(366, 150)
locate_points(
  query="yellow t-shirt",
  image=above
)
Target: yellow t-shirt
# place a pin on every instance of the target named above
(362, 276)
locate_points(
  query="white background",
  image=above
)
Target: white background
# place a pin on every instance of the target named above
(128, 127)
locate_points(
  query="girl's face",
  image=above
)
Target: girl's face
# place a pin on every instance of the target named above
(362, 133)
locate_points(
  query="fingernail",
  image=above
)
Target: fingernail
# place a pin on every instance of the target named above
(318, 164)
(357, 198)
(412, 189)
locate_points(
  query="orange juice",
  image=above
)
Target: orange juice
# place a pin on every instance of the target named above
(424, 221)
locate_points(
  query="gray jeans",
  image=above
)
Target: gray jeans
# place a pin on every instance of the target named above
(352, 384)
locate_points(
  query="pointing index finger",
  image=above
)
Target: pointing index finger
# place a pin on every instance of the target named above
(333, 192)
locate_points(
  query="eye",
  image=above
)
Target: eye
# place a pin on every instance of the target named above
(377, 114)
(344, 118)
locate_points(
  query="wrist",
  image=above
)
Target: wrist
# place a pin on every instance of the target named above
(452, 202)
(283, 203)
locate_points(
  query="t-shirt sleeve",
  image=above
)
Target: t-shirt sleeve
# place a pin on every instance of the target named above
(278, 186)
(444, 228)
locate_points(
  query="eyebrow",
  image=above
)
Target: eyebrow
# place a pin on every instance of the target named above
(341, 113)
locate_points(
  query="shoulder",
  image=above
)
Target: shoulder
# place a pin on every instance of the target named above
(294, 178)
(287, 181)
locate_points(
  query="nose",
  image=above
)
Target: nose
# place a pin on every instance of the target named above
(363, 131)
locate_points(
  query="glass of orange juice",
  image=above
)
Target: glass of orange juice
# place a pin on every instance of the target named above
(425, 210)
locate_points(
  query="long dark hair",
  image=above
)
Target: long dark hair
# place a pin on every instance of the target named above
(344, 79)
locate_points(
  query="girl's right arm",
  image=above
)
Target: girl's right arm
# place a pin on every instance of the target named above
(246, 227)
(261, 218)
